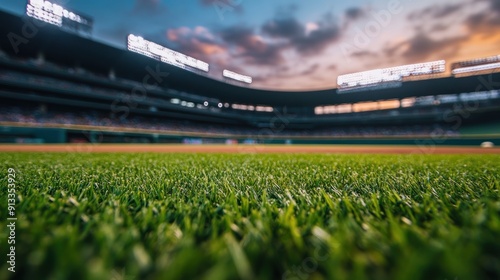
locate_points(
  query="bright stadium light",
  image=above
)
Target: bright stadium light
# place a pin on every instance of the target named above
(477, 68)
(236, 76)
(251, 108)
(476, 62)
(264, 109)
(153, 50)
(343, 108)
(392, 74)
(57, 15)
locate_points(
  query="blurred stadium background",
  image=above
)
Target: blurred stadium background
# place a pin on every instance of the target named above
(79, 90)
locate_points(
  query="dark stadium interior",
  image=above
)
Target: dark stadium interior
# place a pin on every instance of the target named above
(83, 82)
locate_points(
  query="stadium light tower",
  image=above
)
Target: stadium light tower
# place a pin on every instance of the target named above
(237, 77)
(392, 75)
(57, 15)
(153, 50)
(472, 67)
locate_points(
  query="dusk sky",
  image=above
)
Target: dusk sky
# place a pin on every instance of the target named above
(297, 44)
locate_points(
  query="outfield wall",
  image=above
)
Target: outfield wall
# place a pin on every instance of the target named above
(9, 134)
(73, 134)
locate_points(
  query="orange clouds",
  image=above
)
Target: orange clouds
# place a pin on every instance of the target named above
(195, 42)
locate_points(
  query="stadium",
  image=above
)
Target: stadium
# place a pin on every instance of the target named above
(143, 162)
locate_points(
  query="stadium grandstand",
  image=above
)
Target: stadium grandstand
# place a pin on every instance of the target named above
(81, 90)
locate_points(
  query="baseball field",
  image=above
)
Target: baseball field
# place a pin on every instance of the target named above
(206, 212)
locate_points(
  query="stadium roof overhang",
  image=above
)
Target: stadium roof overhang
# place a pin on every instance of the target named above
(72, 50)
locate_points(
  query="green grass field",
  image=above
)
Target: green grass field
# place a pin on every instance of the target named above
(262, 216)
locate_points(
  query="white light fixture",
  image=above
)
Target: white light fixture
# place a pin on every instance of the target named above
(475, 68)
(53, 13)
(391, 74)
(153, 50)
(236, 76)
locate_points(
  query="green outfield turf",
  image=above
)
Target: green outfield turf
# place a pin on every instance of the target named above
(263, 216)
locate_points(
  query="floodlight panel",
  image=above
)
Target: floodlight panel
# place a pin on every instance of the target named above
(476, 68)
(235, 76)
(55, 14)
(163, 54)
(390, 74)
